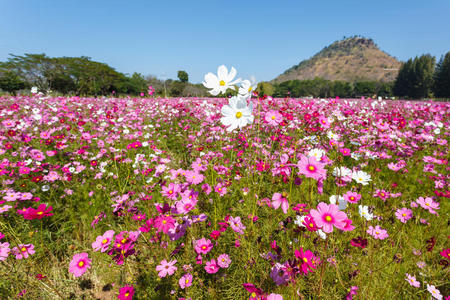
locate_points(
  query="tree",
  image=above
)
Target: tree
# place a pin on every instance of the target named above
(265, 88)
(415, 77)
(441, 87)
(364, 88)
(10, 82)
(183, 76)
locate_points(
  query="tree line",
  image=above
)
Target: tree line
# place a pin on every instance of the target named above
(419, 77)
(83, 76)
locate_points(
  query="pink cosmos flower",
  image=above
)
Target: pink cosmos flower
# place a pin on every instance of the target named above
(212, 267)
(166, 268)
(164, 223)
(171, 191)
(274, 118)
(328, 215)
(102, 242)
(23, 251)
(278, 200)
(186, 204)
(224, 260)
(274, 297)
(203, 246)
(220, 189)
(236, 224)
(324, 122)
(352, 197)
(310, 167)
(4, 251)
(412, 280)
(377, 232)
(79, 264)
(185, 281)
(434, 292)
(126, 293)
(428, 204)
(194, 177)
(403, 214)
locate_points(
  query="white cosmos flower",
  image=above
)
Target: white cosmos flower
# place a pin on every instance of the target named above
(361, 177)
(247, 87)
(342, 172)
(322, 234)
(364, 212)
(237, 113)
(223, 81)
(341, 202)
(317, 153)
(34, 90)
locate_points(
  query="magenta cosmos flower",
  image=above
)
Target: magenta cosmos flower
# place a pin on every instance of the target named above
(307, 260)
(185, 281)
(310, 167)
(274, 118)
(203, 246)
(328, 215)
(79, 264)
(164, 223)
(166, 268)
(403, 214)
(126, 293)
(352, 197)
(212, 267)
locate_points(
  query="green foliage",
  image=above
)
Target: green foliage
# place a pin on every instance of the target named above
(415, 78)
(183, 76)
(10, 82)
(364, 88)
(265, 88)
(441, 85)
(177, 88)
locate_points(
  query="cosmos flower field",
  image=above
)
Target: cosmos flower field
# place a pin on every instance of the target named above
(153, 198)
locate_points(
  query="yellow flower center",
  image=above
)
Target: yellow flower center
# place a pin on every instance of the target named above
(222, 83)
(104, 241)
(238, 115)
(40, 213)
(253, 295)
(187, 281)
(164, 221)
(311, 225)
(311, 168)
(127, 294)
(404, 215)
(23, 249)
(81, 264)
(305, 259)
(273, 117)
(328, 218)
(249, 89)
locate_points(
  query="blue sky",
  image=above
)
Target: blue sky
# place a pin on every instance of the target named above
(260, 38)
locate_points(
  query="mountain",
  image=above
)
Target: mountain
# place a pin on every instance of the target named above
(351, 59)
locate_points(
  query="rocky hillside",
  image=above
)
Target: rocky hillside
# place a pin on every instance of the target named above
(351, 59)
